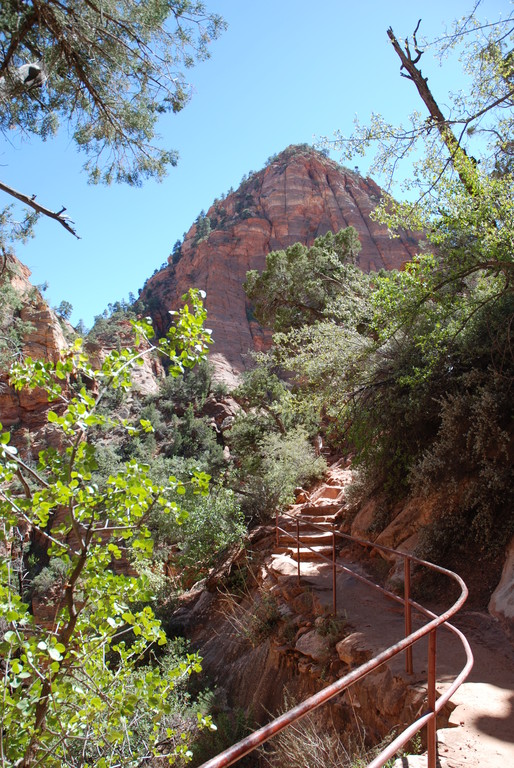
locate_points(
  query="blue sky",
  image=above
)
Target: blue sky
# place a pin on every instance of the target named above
(285, 72)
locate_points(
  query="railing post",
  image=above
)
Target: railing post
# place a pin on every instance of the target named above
(408, 613)
(298, 547)
(334, 582)
(432, 724)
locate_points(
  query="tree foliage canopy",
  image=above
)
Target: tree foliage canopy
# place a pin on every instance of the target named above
(110, 70)
(107, 71)
(302, 285)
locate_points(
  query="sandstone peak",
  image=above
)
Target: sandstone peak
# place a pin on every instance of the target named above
(299, 195)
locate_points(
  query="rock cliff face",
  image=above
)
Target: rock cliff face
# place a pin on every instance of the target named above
(43, 339)
(300, 195)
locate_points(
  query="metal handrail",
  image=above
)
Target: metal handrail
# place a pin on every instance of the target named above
(260, 736)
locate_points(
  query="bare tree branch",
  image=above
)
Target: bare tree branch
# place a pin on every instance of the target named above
(31, 202)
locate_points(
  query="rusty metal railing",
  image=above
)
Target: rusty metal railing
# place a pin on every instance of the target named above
(434, 704)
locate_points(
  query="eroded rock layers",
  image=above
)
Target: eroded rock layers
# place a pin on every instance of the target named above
(298, 196)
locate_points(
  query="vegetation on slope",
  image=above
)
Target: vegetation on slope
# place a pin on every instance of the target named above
(412, 371)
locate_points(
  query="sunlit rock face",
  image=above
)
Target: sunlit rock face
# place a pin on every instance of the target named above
(298, 196)
(44, 338)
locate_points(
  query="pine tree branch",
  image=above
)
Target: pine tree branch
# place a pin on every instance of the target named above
(17, 38)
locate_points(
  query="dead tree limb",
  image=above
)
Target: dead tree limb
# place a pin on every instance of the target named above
(461, 161)
(31, 202)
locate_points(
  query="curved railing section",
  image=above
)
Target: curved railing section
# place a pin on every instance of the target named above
(434, 704)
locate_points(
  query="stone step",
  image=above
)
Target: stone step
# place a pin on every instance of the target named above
(283, 549)
(314, 537)
(308, 527)
(319, 509)
(320, 520)
(308, 523)
(312, 553)
(330, 492)
(290, 523)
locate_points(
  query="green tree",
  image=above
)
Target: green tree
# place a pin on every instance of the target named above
(465, 192)
(176, 253)
(302, 285)
(317, 301)
(203, 227)
(261, 390)
(64, 310)
(81, 681)
(108, 71)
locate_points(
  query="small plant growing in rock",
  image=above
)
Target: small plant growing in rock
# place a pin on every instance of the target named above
(332, 628)
(256, 618)
(309, 743)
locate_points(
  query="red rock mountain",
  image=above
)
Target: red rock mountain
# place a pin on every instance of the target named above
(298, 196)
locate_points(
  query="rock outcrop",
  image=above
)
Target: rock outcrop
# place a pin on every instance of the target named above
(501, 604)
(298, 196)
(43, 338)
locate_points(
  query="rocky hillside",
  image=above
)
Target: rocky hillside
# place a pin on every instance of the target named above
(298, 196)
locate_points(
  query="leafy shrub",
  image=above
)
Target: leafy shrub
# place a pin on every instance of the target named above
(275, 467)
(332, 627)
(214, 522)
(176, 393)
(231, 726)
(51, 578)
(470, 458)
